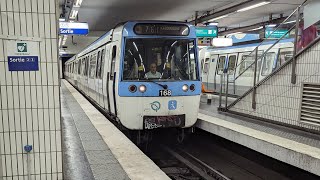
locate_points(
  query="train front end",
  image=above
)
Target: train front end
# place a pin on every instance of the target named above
(159, 84)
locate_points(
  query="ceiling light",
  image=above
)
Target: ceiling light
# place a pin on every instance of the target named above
(78, 3)
(213, 24)
(253, 6)
(220, 17)
(74, 14)
(289, 22)
(261, 27)
(271, 25)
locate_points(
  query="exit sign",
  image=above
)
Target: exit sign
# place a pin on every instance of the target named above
(207, 31)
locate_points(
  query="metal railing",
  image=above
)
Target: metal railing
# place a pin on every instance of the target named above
(251, 67)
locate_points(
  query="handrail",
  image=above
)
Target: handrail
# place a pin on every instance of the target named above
(274, 72)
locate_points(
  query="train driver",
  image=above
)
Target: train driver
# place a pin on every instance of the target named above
(153, 73)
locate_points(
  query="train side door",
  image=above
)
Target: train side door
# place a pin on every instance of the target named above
(205, 71)
(232, 64)
(106, 98)
(212, 80)
(111, 78)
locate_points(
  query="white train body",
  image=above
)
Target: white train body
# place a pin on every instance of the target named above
(235, 59)
(112, 73)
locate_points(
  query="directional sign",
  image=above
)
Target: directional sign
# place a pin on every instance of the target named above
(276, 34)
(207, 31)
(68, 28)
(23, 56)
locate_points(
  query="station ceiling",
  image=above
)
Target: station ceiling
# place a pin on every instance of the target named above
(103, 15)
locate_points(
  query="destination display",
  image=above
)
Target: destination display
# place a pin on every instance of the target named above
(162, 29)
(153, 122)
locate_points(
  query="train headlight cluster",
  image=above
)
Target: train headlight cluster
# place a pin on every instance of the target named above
(185, 88)
(132, 88)
(142, 88)
(192, 87)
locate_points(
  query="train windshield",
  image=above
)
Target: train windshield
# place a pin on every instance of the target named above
(160, 59)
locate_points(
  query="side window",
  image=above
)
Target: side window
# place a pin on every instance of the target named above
(98, 65)
(102, 63)
(79, 66)
(221, 62)
(206, 65)
(92, 70)
(232, 63)
(267, 63)
(113, 62)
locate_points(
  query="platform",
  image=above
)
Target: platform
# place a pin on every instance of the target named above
(93, 148)
(295, 147)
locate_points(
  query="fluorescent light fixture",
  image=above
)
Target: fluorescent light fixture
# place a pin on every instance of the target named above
(78, 3)
(271, 25)
(228, 35)
(74, 14)
(258, 28)
(213, 24)
(220, 17)
(253, 6)
(289, 22)
(62, 19)
(222, 42)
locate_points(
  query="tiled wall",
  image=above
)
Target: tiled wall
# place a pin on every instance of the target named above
(29, 100)
(277, 98)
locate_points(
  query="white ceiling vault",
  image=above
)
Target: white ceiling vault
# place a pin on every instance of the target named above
(103, 15)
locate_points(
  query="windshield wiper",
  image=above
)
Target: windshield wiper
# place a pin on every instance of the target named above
(163, 86)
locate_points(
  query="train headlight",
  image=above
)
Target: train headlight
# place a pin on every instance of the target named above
(132, 88)
(142, 88)
(192, 87)
(185, 88)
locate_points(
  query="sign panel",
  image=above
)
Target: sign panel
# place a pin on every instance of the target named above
(68, 28)
(161, 29)
(23, 56)
(207, 31)
(276, 34)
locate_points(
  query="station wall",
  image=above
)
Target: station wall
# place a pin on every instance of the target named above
(30, 99)
(279, 100)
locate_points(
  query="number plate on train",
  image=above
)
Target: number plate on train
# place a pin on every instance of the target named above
(153, 122)
(165, 92)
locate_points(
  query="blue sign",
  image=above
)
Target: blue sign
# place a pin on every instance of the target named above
(172, 105)
(68, 28)
(23, 63)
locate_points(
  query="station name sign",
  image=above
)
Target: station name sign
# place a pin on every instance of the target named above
(207, 31)
(276, 34)
(70, 28)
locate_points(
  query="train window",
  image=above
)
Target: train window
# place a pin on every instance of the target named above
(267, 63)
(98, 65)
(102, 64)
(232, 63)
(284, 55)
(206, 65)
(79, 66)
(221, 62)
(87, 65)
(246, 68)
(159, 59)
(92, 70)
(113, 62)
(82, 66)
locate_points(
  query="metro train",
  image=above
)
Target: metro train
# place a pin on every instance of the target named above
(113, 73)
(237, 61)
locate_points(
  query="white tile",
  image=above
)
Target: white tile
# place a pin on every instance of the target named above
(52, 119)
(55, 74)
(47, 27)
(5, 121)
(9, 6)
(22, 96)
(35, 122)
(18, 142)
(8, 165)
(57, 119)
(54, 30)
(4, 23)
(10, 97)
(11, 120)
(37, 163)
(54, 162)
(56, 96)
(2, 151)
(7, 143)
(14, 165)
(34, 6)
(17, 120)
(43, 162)
(47, 139)
(36, 145)
(58, 140)
(13, 144)
(45, 97)
(50, 73)
(41, 25)
(40, 119)
(44, 77)
(46, 119)
(48, 163)
(39, 97)
(10, 23)
(15, 97)
(51, 97)
(60, 176)
(20, 164)
(29, 120)
(17, 22)
(27, 96)
(53, 141)
(59, 161)
(42, 142)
